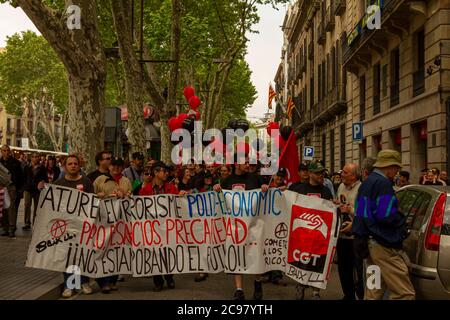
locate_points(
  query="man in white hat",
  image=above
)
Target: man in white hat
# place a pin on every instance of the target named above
(378, 221)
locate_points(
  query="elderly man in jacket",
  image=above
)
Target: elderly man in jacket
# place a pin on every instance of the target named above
(379, 221)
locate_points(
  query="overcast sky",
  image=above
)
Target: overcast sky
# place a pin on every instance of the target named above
(264, 49)
(264, 55)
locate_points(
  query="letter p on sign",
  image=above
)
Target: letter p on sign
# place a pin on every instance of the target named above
(308, 153)
(357, 131)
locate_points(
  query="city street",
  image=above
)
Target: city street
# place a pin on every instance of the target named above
(152, 137)
(216, 287)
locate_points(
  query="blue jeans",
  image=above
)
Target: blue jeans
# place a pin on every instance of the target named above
(83, 279)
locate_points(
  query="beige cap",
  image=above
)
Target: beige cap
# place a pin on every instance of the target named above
(386, 158)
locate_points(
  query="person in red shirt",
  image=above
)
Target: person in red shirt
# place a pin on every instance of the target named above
(151, 187)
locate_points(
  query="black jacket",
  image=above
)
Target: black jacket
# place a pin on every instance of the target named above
(33, 177)
(15, 168)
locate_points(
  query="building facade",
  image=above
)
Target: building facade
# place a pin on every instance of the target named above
(391, 74)
(13, 129)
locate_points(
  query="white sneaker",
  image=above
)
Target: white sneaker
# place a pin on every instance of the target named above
(67, 293)
(86, 288)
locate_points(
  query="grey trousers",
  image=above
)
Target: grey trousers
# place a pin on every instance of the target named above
(10, 215)
(28, 198)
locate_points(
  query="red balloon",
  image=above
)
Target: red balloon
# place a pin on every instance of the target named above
(189, 92)
(172, 124)
(271, 126)
(180, 119)
(194, 102)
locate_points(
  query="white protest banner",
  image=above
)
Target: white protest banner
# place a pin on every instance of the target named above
(246, 232)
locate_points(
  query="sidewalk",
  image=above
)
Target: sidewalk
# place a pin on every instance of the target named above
(18, 282)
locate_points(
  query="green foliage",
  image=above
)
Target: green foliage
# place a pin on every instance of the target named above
(239, 93)
(43, 139)
(30, 69)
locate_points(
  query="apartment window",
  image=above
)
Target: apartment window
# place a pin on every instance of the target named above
(333, 68)
(311, 93)
(304, 97)
(18, 126)
(384, 76)
(30, 127)
(324, 80)
(376, 89)
(331, 150)
(324, 148)
(320, 81)
(395, 77)
(8, 126)
(8, 141)
(419, 74)
(327, 79)
(362, 98)
(342, 144)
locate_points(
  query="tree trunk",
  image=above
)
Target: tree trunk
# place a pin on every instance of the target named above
(166, 145)
(133, 76)
(82, 54)
(86, 117)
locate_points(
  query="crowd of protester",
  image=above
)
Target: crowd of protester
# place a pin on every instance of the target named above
(351, 185)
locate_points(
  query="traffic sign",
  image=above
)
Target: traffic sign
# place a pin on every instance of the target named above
(308, 153)
(357, 131)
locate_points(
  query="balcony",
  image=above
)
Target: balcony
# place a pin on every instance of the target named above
(329, 19)
(322, 36)
(418, 82)
(394, 91)
(304, 123)
(339, 7)
(332, 105)
(362, 41)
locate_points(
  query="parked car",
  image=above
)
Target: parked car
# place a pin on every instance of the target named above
(428, 245)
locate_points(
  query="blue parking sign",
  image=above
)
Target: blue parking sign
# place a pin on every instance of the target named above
(308, 153)
(357, 131)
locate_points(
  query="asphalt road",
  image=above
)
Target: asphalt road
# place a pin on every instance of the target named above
(217, 287)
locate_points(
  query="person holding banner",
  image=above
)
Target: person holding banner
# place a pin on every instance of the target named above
(159, 185)
(303, 172)
(186, 180)
(278, 181)
(113, 185)
(73, 179)
(314, 188)
(241, 179)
